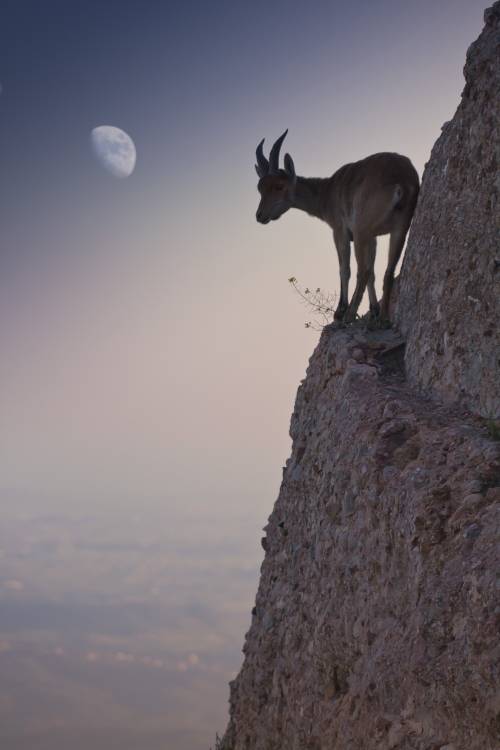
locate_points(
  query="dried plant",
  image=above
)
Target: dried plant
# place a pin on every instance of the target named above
(321, 303)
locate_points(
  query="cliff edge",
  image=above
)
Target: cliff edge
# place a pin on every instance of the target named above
(376, 619)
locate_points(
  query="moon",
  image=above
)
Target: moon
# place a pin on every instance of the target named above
(114, 149)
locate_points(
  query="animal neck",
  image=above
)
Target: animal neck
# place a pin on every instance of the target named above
(310, 195)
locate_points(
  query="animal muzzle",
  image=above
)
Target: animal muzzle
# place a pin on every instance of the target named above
(262, 218)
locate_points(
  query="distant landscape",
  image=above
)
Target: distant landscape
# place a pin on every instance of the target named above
(120, 632)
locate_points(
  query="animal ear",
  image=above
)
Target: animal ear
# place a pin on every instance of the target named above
(289, 166)
(259, 172)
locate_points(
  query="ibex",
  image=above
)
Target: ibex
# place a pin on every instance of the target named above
(361, 201)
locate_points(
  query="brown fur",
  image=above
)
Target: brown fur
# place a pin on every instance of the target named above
(360, 202)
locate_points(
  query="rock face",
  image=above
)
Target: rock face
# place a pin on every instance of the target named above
(450, 280)
(376, 619)
(374, 624)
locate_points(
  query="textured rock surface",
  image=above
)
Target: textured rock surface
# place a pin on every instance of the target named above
(376, 619)
(375, 623)
(449, 287)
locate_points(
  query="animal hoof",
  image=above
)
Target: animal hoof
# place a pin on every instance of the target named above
(384, 314)
(374, 311)
(339, 313)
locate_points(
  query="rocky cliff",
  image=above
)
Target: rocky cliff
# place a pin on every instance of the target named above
(376, 619)
(450, 280)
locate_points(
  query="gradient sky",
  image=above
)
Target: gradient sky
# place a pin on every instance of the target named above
(151, 345)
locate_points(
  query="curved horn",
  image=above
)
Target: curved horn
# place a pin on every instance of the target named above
(274, 155)
(262, 165)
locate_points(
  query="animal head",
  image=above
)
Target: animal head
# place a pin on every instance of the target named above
(276, 186)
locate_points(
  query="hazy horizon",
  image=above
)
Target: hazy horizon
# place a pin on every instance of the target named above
(152, 345)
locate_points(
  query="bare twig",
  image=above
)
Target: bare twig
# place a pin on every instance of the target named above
(320, 302)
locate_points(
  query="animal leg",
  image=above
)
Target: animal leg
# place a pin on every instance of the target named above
(343, 245)
(365, 258)
(372, 294)
(396, 243)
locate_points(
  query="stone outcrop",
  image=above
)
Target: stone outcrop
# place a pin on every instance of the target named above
(449, 285)
(376, 621)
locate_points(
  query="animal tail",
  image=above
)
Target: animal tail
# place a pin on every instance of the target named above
(397, 196)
